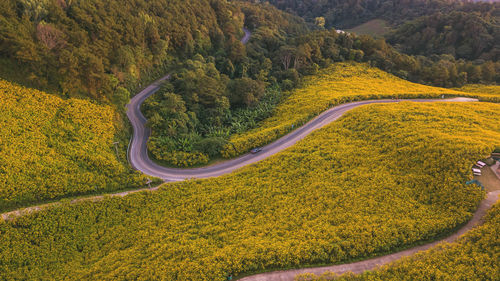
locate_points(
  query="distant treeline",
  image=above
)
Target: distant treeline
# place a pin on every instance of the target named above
(461, 29)
(465, 35)
(345, 14)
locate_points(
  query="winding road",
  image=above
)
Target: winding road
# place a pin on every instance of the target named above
(138, 153)
(139, 159)
(246, 37)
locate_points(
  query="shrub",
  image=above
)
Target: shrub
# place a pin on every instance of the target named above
(184, 159)
(210, 146)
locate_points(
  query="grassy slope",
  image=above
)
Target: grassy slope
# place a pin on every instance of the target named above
(340, 83)
(474, 257)
(52, 148)
(376, 27)
(485, 90)
(382, 177)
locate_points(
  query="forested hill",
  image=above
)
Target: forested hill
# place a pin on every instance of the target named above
(343, 14)
(464, 35)
(90, 48)
(437, 32)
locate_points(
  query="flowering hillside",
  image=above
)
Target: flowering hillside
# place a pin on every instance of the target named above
(51, 148)
(381, 178)
(473, 257)
(340, 83)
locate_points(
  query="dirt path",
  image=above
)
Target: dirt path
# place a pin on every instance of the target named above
(33, 209)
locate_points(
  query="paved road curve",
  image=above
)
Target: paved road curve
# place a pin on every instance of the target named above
(140, 160)
(246, 37)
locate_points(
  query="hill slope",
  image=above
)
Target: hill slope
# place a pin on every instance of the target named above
(86, 47)
(342, 82)
(51, 148)
(467, 35)
(473, 257)
(381, 178)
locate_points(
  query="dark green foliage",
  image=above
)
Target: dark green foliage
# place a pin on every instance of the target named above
(344, 14)
(83, 47)
(210, 146)
(245, 92)
(464, 35)
(176, 128)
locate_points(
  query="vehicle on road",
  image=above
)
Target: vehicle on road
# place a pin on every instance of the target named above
(476, 172)
(256, 150)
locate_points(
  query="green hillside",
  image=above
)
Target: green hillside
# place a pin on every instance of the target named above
(87, 47)
(375, 28)
(340, 83)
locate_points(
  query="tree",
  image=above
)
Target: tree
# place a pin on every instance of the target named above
(488, 71)
(50, 36)
(121, 96)
(244, 92)
(286, 53)
(320, 21)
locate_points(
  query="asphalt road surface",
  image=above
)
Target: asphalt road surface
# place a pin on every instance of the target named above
(246, 38)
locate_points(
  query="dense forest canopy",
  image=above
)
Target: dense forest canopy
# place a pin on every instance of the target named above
(463, 35)
(462, 29)
(91, 47)
(344, 14)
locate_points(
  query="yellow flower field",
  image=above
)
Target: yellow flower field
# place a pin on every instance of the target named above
(474, 257)
(381, 178)
(51, 148)
(483, 90)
